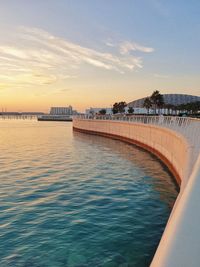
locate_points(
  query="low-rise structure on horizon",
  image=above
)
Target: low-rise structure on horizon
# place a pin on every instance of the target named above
(59, 114)
(63, 111)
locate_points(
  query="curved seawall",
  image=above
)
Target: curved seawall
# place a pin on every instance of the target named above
(179, 245)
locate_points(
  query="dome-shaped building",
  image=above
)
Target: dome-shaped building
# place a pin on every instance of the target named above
(172, 99)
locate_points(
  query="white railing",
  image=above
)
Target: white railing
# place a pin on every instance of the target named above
(185, 126)
(189, 127)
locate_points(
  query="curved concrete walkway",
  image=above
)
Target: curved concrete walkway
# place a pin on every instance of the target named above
(177, 142)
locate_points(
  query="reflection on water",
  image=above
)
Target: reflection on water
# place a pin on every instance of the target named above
(140, 158)
(71, 199)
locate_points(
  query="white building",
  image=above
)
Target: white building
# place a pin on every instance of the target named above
(61, 111)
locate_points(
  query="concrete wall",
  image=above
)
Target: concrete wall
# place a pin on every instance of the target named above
(172, 148)
(180, 243)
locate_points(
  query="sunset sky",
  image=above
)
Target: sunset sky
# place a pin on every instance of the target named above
(92, 53)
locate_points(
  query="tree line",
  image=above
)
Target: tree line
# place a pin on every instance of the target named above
(118, 107)
(155, 102)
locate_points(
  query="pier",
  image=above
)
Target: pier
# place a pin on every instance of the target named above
(18, 117)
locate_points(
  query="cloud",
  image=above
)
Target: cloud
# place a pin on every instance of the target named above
(127, 47)
(109, 43)
(40, 58)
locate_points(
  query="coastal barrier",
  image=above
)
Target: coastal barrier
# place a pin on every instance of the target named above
(176, 141)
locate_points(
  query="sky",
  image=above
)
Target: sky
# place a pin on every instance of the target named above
(92, 53)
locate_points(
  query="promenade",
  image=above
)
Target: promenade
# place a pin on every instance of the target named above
(176, 141)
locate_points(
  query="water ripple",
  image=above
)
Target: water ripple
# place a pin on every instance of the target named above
(72, 200)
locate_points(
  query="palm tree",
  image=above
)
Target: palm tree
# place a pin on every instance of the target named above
(115, 109)
(102, 111)
(160, 102)
(119, 107)
(122, 106)
(157, 100)
(147, 104)
(130, 110)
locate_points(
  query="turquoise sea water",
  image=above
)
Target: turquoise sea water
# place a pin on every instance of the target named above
(75, 200)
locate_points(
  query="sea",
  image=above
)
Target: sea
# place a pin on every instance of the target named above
(70, 199)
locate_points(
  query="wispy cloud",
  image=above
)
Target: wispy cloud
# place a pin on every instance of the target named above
(40, 58)
(127, 47)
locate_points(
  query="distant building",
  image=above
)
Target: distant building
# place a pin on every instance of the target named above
(170, 99)
(62, 111)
